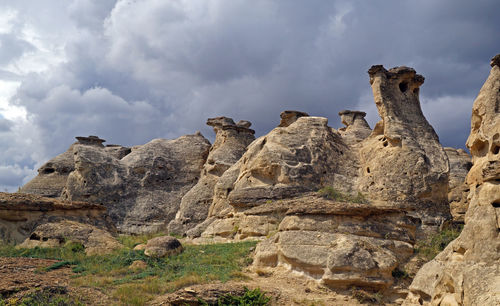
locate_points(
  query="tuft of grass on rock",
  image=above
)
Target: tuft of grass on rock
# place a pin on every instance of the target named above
(434, 244)
(329, 192)
(253, 297)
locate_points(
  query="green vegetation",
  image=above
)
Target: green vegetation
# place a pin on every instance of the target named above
(433, 245)
(111, 273)
(249, 298)
(45, 297)
(398, 273)
(331, 193)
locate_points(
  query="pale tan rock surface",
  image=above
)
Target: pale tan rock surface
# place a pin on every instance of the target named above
(163, 246)
(231, 141)
(56, 234)
(21, 214)
(458, 190)
(467, 272)
(356, 128)
(402, 160)
(142, 189)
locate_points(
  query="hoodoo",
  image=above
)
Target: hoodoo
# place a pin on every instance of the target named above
(467, 271)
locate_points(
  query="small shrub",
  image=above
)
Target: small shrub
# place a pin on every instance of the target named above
(331, 193)
(434, 244)
(402, 274)
(253, 297)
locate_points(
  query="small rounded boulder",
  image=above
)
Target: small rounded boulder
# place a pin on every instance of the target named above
(163, 246)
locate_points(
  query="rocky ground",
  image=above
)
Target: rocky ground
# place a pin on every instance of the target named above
(23, 277)
(20, 277)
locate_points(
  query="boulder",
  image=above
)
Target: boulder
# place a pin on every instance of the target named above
(356, 128)
(231, 141)
(142, 187)
(467, 271)
(21, 214)
(163, 246)
(56, 234)
(339, 243)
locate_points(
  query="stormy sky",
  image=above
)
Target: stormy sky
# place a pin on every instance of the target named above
(130, 71)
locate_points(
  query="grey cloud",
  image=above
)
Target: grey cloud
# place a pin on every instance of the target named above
(137, 70)
(5, 125)
(12, 48)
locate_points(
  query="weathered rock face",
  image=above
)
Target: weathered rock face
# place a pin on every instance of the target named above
(285, 163)
(52, 176)
(342, 244)
(56, 234)
(403, 161)
(21, 214)
(143, 189)
(467, 271)
(231, 141)
(458, 190)
(357, 129)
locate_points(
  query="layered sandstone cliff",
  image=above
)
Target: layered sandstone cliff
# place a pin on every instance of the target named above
(21, 214)
(467, 272)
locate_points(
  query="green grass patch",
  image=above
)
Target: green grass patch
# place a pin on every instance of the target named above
(331, 193)
(253, 297)
(434, 244)
(196, 264)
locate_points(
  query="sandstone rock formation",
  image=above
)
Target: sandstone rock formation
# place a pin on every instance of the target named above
(21, 214)
(356, 128)
(458, 190)
(467, 272)
(289, 116)
(231, 141)
(56, 234)
(52, 176)
(400, 167)
(142, 187)
(163, 246)
(402, 160)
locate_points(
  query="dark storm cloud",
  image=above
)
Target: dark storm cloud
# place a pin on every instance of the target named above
(136, 70)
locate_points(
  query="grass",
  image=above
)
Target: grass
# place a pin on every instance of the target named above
(47, 296)
(331, 193)
(253, 297)
(197, 264)
(433, 245)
